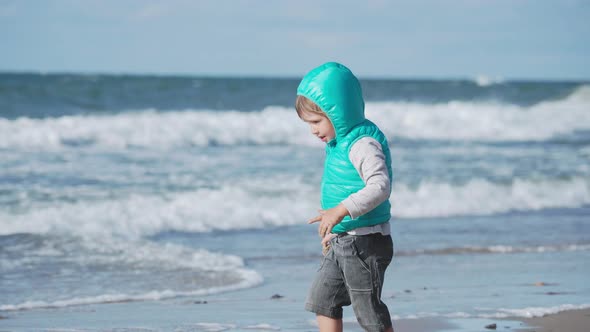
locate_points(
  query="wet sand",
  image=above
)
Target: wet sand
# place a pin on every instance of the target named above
(566, 321)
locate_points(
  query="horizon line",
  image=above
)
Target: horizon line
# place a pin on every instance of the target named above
(492, 79)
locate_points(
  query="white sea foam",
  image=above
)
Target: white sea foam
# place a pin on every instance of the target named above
(484, 80)
(249, 204)
(250, 279)
(214, 327)
(456, 120)
(112, 298)
(497, 249)
(135, 256)
(149, 128)
(257, 204)
(484, 121)
(552, 248)
(481, 197)
(528, 312)
(142, 254)
(263, 327)
(533, 311)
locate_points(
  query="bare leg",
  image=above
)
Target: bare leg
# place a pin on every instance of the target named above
(327, 324)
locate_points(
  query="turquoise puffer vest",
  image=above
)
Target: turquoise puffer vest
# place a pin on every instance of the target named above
(338, 93)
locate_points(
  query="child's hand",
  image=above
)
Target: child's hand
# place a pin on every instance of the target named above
(329, 218)
(327, 238)
(326, 242)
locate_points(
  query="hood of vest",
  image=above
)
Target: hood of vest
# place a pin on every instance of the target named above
(335, 89)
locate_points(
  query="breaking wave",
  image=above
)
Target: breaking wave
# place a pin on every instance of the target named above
(455, 120)
(255, 203)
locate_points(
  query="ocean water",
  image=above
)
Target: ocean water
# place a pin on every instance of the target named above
(143, 192)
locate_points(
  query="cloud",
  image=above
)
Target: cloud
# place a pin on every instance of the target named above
(153, 10)
(299, 13)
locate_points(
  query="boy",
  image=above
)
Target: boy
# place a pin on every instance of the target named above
(356, 184)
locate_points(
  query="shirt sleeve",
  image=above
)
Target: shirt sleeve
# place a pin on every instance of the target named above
(368, 159)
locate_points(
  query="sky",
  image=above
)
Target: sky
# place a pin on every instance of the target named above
(516, 39)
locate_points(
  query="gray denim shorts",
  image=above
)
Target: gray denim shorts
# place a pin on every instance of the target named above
(352, 272)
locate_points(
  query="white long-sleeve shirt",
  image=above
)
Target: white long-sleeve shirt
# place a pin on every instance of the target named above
(368, 159)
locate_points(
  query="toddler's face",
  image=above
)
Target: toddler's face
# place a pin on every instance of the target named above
(319, 125)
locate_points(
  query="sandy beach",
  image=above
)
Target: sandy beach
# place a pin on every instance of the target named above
(566, 321)
(213, 313)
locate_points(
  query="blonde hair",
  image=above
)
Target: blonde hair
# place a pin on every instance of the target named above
(304, 105)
